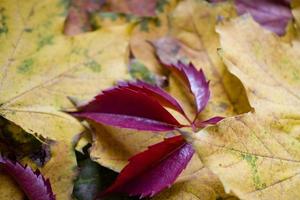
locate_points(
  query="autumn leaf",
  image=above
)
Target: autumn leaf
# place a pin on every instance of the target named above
(151, 171)
(136, 7)
(268, 69)
(202, 185)
(263, 146)
(253, 158)
(273, 15)
(132, 105)
(190, 41)
(78, 19)
(32, 182)
(40, 67)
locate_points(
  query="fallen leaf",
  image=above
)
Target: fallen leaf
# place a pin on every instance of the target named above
(130, 143)
(268, 68)
(271, 14)
(253, 158)
(33, 183)
(135, 7)
(9, 188)
(190, 41)
(91, 179)
(61, 170)
(194, 80)
(78, 19)
(203, 185)
(136, 105)
(40, 67)
(149, 172)
(296, 13)
(149, 30)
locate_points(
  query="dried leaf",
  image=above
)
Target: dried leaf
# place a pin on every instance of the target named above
(253, 158)
(153, 170)
(190, 41)
(135, 7)
(40, 67)
(272, 14)
(9, 188)
(268, 69)
(78, 20)
(32, 182)
(203, 185)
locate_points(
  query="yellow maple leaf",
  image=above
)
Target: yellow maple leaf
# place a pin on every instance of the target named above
(256, 155)
(252, 158)
(40, 67)
(268, 68)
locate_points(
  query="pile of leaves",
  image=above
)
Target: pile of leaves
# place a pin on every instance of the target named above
(160, 99)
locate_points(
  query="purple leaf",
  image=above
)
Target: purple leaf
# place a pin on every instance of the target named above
(211, 121)
(155, 92)
(126, 106)
(195, 80)
(272, 14)
(151, 171)
(34, 185)
(125, 121)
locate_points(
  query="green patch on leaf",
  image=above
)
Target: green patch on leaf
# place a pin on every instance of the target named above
(145, 23)
(45, 40)
(3, 22)
(139, 71)
(65, 4)
(160, 5)
(26, 66)
(251, 160)
(94, 66)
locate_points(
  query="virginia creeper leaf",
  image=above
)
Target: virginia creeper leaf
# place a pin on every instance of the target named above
(125, 106)
(196, 82)
(33, 183)
(153, 170)
(157, 93)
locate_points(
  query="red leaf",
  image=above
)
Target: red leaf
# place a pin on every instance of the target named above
(151, 171)
(195, 81)
(155, 92)
(211, 121)
(34, 185)
(126, 106)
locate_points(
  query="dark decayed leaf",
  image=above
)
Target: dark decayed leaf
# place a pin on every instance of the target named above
(153, 170)
(78, 20)
(34, 185)
(93, 178)
(127, 107)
